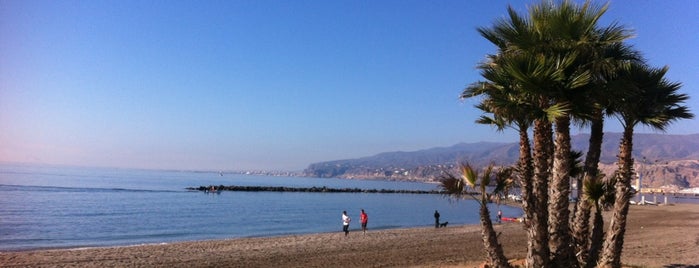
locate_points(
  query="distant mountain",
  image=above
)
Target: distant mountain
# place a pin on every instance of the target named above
(651, 146)
(426, 165)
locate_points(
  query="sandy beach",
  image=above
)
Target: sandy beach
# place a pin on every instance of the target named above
(657, 236)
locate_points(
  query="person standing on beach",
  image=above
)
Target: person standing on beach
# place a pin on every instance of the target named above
(436, 219)
(364, 219)
(345, 222)
(499, 216)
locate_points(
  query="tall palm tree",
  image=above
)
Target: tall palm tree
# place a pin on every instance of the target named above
(457, 188)
(503, 104)
(649, 99)
(539, 73)
(507, 104)
(552, 56)
(609, 60)
(573, 34)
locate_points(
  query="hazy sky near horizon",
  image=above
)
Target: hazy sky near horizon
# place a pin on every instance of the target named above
(233, 85)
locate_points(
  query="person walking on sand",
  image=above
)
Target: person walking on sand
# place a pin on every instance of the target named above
(436, 219)
(499, 216)
(364, 219)
(345, 222)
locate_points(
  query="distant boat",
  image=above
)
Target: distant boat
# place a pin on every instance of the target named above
(220, 173)
(643, 202)
(213, 190)
(514, 197)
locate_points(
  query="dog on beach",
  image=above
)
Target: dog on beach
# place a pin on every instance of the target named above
(444, 224)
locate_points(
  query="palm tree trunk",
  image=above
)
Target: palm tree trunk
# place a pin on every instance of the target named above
(581, 229)
(493, 249)
(526, 174)
(560, 241)
(614, 242)
(581, 225)
(538, 230)
(594, 147)
(596, 238)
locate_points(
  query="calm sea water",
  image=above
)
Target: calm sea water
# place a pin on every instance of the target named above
(66, 207)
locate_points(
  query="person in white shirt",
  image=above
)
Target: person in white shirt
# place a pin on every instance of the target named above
(345, 222)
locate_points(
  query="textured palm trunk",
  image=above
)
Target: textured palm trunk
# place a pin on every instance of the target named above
(596, 238)
(581, 224)
(560, 240)
(493, 249)
(526, 174)
(594, 148)
(614, 241)
(538, 225)
(581, 229)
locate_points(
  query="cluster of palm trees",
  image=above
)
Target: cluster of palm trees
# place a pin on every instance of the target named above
(556, 66)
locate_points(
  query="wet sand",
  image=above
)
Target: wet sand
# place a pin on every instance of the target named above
(657, 236)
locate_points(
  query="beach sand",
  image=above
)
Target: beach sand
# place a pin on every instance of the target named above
(657, 236)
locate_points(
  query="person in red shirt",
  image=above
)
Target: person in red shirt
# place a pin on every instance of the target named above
(363, 218)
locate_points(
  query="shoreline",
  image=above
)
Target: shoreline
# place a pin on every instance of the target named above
(656, 236)
(353, 229)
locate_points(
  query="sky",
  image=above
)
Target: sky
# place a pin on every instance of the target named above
(267, 84)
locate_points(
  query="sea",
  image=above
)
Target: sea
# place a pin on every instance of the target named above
(52, 207)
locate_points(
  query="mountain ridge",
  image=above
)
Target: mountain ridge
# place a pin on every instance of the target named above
(427, 164)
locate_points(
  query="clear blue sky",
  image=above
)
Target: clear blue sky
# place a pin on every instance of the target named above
(232, 85)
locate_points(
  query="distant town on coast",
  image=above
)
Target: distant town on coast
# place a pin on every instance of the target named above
(664, 161)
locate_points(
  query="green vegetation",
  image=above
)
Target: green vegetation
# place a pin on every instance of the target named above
(554, 67)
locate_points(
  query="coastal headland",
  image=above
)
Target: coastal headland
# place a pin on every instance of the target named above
(656, 236)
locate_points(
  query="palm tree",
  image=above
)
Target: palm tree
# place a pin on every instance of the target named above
(455, 187)
(506, 103)
(609, 61)
(575, 38)
(552, 57)
(596, 192)
(534, 72)
(649, 99)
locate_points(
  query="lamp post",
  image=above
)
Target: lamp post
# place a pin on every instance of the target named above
(640, 174)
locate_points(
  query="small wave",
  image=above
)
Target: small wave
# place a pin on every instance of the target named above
(385, 227)
(121, 246)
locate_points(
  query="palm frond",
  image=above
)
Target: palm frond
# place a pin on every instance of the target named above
(485, 178)
(576, 165)
(450, 184)
(595, 189)
(649, 99)
(558, 110)
(469, 175)
(503, 181)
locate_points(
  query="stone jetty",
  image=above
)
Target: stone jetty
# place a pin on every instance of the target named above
(237, 188)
